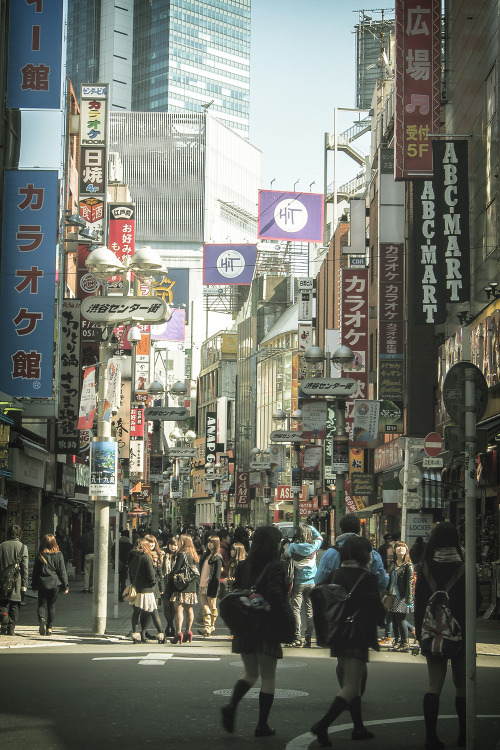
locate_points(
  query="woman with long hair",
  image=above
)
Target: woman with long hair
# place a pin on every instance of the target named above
(49, 577)
(170, 553)
(210, 570)
(260, 652)
(143, 576)
(401, 588)
(184, 598)
(443, 560)
(237, 554)
(365, 604)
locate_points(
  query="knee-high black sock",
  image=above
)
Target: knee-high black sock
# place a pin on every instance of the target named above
(355, 709)
(461, 713)
(240, 689)
(431, 712)
(265, 705)
(336, 708)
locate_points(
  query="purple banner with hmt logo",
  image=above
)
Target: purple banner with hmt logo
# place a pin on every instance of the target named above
(229, 264)
(290, 216)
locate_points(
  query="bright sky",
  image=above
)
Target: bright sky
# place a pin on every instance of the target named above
(302, 67)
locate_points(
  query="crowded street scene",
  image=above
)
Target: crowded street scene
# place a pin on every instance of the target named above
(250, 385)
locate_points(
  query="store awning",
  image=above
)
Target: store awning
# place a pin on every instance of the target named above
(33, 449)
(432, 489)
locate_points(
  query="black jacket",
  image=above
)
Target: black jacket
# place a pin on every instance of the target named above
(142, 572)
(365, 599)
(192, 586)
(215, 572)
(10, 551)
(44, 577)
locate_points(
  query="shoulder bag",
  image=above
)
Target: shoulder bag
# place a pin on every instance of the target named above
(245, 611)
(130, 592)
(52, 569)
(9, 576)
(186, 574)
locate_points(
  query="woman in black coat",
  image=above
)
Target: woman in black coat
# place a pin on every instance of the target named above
(143, 576)
(49, 577)
(260, 652)
(443, 558)
(210, 571)
(354, 571)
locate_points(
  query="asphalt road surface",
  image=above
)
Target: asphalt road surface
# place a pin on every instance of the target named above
(99, 693)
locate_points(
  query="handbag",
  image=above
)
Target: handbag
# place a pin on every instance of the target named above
(186, 574)
(130, 592)
(387, 601)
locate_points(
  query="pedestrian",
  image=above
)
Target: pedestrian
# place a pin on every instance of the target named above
(64, 543)
(143, 577)
(443, 558)
(302, 550)
(48, 578)
(386, 552)
(124, 549)
(12, 551)
(210, 572)
(417, 552)
(368, 609)
(225, 546)
(240, 536)
(184, 599)
(330, 561)
(170, 553)
(400, 588)
(238, 554)
(260, 652)
(86, 544)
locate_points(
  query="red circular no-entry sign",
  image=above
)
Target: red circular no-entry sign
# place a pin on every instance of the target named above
(433, 444)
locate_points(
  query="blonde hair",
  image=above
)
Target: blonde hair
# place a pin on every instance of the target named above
(187, 546)
(240, 552)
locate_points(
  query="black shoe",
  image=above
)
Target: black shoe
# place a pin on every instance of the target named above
(148, 637)
(228, 717)
(41, 627)
(321, 734)
(434, 744)
(264, 731)
(362, 734)
(85, 591)
(307, 641)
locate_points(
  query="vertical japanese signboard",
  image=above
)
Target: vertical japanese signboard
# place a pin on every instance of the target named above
(354, 329)
(242, 499)
(441, 270)
(67, 440)
(94, 157)
(27, 285)
(36, 54)
(391, 315)
(418, 75)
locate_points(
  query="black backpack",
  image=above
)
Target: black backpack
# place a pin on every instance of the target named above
(333, 627)
(9, 576)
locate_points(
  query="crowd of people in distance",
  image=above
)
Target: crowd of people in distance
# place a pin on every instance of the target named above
(187, 573)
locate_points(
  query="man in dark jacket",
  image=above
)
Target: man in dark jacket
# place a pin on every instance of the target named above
(124, 548)
(11, 551)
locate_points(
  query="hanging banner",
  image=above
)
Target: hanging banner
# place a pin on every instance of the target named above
(229, 264)
(418, 85)
(365, 422)
(340, 454)
(88, 400)
(441, 274)
(314, 418)
(67, 438)
(277, 457)
(103, 468)
(113, 376)
(290, 216)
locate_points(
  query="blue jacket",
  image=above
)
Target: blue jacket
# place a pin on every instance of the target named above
(330, 561)
(304, 557)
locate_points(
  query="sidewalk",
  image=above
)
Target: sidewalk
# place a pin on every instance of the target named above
(74, 622)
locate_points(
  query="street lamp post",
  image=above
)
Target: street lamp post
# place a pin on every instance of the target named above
(261, 463)
(342, 357)
(281, 416)
(102, 263)
(156, 390)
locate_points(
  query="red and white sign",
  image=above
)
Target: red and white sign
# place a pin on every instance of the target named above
(433, 444)
(284, 492)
